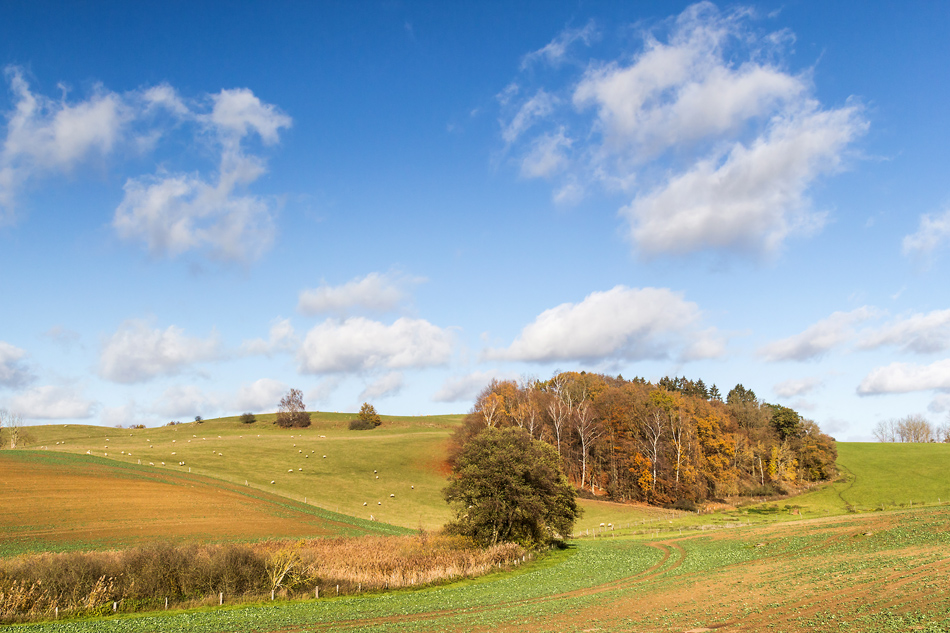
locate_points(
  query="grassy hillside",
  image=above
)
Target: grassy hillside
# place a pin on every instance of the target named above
(59, 502)
(407, 454)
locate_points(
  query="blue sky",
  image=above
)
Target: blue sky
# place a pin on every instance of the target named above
(203, 205)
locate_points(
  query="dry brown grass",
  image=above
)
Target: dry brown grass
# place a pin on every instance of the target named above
(43, 586)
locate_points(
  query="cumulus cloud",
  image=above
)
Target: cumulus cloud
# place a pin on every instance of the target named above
(283, 338)
(718, 142)
(361, 344)
(919, 333)
(750, 198)
(466, 388)
(51, 402)
(932, 233)
(817, 339)
(136, 352)
(796, 387)
(171, 213)
(554, 52)
(387, 385)
(263, 394)
(13, 370)
(376, 292)
(619, 324)
(906, 377)
(45, 135)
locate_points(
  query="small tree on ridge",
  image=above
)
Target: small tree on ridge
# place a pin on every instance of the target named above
(292, 413)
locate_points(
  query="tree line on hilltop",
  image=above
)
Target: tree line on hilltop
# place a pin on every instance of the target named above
(675, 442)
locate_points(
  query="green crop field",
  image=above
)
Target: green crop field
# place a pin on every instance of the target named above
(865, 553)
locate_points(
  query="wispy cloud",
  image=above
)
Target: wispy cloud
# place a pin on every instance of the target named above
(14, 371)
(906, 378)
(51, 402)
(933, 233)
(819, 338)
(556, 51)
(376, 292)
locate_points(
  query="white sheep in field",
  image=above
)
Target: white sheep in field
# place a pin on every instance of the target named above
(392, 496)
(272, 481)
(290, 470)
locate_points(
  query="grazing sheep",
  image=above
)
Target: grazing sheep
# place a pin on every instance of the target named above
(364, 503)
(392, 496)
(299, 469)
(272, 481)
(324, 457)
(290, 470)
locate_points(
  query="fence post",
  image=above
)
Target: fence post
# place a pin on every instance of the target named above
(220, 598)
(115, 606)
(271, 594)
(316, 592)
(338, 590)
(166, 604)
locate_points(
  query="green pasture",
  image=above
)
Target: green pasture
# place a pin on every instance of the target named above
(406, 453)
(865, 572)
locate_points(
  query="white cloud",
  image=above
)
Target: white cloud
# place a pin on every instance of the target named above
(282, 338)
(262, 395)
(126, 415)
(385, 386)
(920, 333)
(619, 324)
(933, 233)
(13, 371)
(531, 111)
(718, 143)
(377, 292)
(237, 112)
(796, 387)
(547, 155)
(466, 388)
(818, 338)
(360, 344)
(185, 401)
(43, 135)
(750, 198)
(137, 353)
(555, 51)
(906, 377)
(51, 403)
(171, 213)
(176, 213)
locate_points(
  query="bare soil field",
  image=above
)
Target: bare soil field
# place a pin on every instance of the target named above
(56, 502)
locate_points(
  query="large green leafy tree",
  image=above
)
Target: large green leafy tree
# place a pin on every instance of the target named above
(507, 487)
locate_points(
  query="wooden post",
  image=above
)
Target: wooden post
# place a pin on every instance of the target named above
(271, 594)
(338, 590)
(115, 606)
(220, 598)
(57, 612)
(316, 592)
(166, 604)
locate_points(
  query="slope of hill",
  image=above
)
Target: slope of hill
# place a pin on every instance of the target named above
(58, 502)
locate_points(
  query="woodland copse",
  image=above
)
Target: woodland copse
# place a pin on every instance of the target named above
(671, 443)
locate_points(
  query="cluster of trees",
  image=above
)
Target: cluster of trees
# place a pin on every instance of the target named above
(672, 442)
(912, 428)
(11, 429)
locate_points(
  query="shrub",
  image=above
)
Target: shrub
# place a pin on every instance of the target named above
(684, 504)
(248, 418)
(361, 425)
(369, 416)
